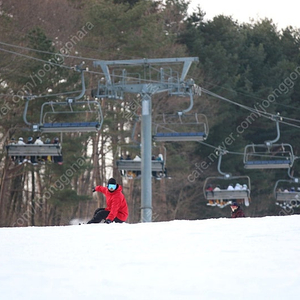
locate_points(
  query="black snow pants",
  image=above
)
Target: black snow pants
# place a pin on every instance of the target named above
(101, 214)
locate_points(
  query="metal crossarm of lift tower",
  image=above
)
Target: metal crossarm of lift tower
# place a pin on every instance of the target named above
(115, 86)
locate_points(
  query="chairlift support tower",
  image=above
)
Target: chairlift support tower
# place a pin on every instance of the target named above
(171, 81)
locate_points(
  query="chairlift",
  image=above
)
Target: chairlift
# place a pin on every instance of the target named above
(181, 128)
(269, 155)
(130, 165)
(78, 109)
(223, 190)
(34, 150)
(278, 156)
(287, 192)
(81, 116)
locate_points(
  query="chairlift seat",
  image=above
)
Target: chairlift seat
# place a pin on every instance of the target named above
(287, 196)
(34, 150)
(268, 164)
(71, 127)
(229, 195)
(181, 127)
(224, 193)
(179, 136)
(132, 165)
(264, 156)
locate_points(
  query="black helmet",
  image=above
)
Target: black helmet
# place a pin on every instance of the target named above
(112, 181)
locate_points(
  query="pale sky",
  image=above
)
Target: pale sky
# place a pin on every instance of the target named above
(283, 13)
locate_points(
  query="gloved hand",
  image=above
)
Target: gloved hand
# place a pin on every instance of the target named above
(107, 221)
(93, 189)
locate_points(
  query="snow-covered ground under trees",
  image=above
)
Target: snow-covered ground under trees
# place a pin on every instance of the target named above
(246, 258)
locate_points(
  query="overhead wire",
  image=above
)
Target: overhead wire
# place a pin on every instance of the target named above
(93, 59)
(34, 58)
(260, 112)
(61, 54)
(61, 65)
(46, 52)
(253, 110)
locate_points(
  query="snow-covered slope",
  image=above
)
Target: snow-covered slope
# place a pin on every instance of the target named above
(247, 258)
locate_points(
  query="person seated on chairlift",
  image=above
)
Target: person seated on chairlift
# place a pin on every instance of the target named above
(238, 187)
(230, 187)
(209, 188)
(57, 159)
(13, 142)
(160, 157)
(39, 141)
(136, 173)
(154, 173)
(32, 158)
(236, 211)
(21, 158)
(218, 201)
(217, 188)
(122, 172)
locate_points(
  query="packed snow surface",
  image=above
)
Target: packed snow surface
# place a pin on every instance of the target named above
(245, 258)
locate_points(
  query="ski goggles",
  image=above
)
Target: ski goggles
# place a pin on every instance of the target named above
(112, 186)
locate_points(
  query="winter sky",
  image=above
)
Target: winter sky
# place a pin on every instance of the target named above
(283, 14)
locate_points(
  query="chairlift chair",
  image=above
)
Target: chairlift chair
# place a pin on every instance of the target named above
(72, 115)
(34, 150)
(269, 155)
(284, 195)
(287, 191)
(262, 156)
(223, 195)
(131, 165)
(216, 191)
(59, 111)
(181, 128)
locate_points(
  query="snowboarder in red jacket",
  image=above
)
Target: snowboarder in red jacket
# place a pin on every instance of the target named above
(116, 206)
(236, 211)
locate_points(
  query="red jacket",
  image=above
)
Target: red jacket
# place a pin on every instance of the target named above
(238, 213)
(115, 203)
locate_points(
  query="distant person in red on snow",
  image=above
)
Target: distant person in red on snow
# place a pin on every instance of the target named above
(116, 206)
(236, 211)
